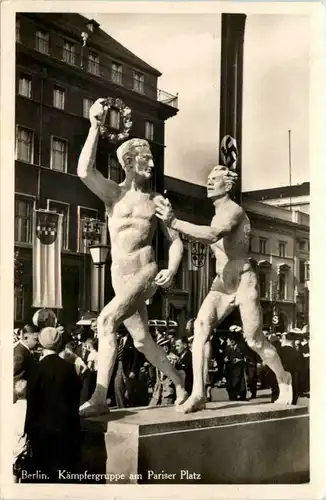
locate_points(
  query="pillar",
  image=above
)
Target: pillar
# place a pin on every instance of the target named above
(233, 26)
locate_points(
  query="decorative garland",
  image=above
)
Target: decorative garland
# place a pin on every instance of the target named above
(125, 112)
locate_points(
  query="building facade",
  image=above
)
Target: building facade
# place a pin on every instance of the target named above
(279, 252)
(295, 197)
(64, 62)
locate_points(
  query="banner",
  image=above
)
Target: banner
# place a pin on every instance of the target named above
(196, 255)
(198, 284)
(47, 242)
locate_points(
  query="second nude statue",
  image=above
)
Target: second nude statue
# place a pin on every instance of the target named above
(235, 284)
(135, 278)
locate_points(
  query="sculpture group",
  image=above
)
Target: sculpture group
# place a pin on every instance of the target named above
(133, 213)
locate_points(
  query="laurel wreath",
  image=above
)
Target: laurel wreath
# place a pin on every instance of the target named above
(125, 113)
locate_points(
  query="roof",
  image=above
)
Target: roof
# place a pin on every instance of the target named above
(279, 192)
(76, 23)
(188, 188)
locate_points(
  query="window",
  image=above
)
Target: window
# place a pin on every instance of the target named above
(262, 245)
(149, 130)
(116, 73)
(282, 248)
(282, 285)
(62, 208)
(42, 42)
(59, 149)
(24, 146)
(138, 82)
(59, 98)
(302, 244)
(18, 304)
(250, 243)
(87, 104)
(69, 52)
(114, 119)
(93, 63)
(17, 30)
(25, 86)
(307, 269)
(23, 219)
(263, 283)
(302, 271)
(114, 169)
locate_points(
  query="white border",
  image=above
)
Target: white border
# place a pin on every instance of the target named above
(316, 488)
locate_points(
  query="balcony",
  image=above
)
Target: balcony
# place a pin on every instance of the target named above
(166, 98)
(142, 88)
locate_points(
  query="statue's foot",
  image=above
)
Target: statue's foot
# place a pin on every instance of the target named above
(182, 396)
(286, 392)
(193, 403)
(93, 408)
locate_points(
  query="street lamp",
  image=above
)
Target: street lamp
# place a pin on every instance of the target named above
(99, 254)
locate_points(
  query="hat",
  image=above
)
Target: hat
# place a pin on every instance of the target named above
(273, 337)
(86, 319)
(161, 340)
(44, 318)
(290, 335)
(50, 338)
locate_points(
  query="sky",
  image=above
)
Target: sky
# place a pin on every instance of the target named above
(185, 48)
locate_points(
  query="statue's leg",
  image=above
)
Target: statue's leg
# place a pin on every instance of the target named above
(251, 316)
(137, 325)
(214, 309)
(127, 301)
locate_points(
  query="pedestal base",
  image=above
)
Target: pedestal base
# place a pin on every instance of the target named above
(228, 443)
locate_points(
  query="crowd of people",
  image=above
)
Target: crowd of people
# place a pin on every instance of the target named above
(55, 373)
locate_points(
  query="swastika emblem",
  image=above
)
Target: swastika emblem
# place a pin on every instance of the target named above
(229, 152)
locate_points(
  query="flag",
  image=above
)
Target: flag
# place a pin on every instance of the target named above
(47, 241)
(196, 255)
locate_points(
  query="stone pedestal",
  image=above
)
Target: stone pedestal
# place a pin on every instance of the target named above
(228, 443)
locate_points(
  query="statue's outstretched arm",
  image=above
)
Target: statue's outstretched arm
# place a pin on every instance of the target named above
(206, 234)
(104, 188)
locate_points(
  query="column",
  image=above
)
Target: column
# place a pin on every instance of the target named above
(233, 26)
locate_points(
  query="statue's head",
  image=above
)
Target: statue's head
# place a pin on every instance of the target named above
(220, 181)
(135, 156)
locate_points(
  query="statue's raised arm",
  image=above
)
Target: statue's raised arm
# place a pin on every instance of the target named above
(105, 189)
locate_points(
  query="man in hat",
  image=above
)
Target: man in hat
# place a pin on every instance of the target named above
(235, 284)
(292, 362)
(235, 367)
(130, 207)
(52, 420)
(24, 364)
(127, 370)
(184, 362)
(164, 391)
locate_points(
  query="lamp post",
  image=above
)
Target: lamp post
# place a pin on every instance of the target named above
(99, 255)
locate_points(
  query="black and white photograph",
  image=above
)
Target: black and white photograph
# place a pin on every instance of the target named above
(157, 189)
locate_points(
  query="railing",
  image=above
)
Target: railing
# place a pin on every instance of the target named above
(167, 98)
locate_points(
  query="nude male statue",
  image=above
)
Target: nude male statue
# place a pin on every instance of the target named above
(135, 277)
(235, 283)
